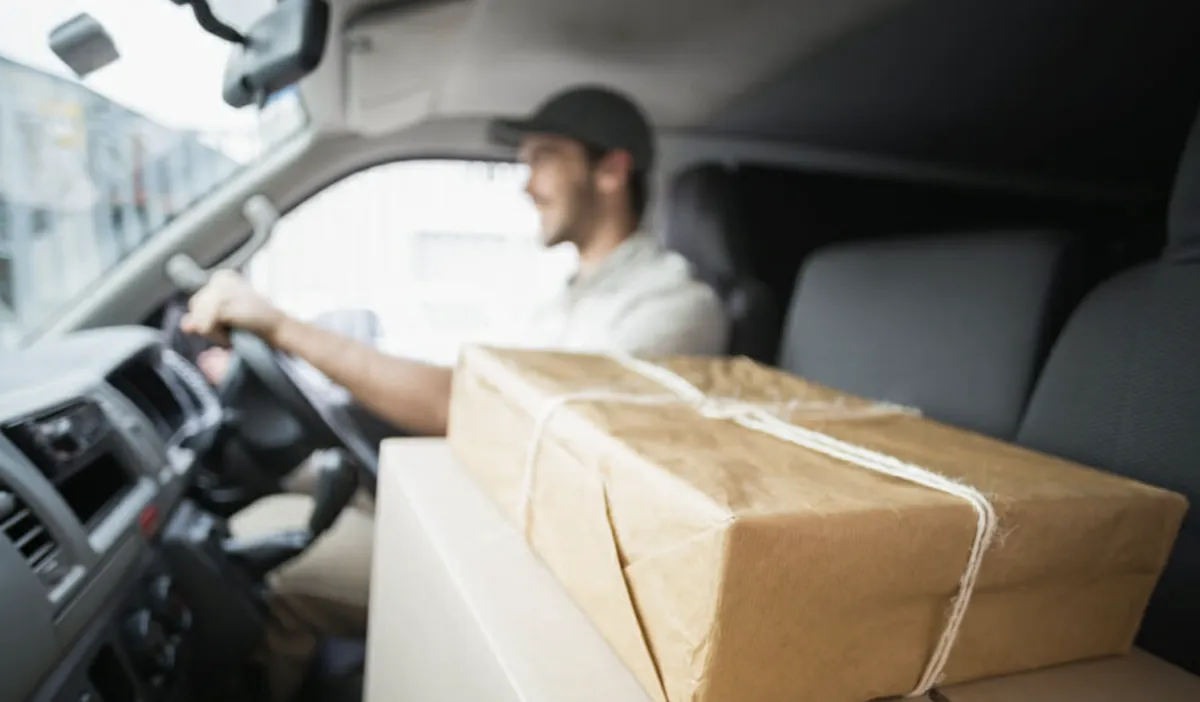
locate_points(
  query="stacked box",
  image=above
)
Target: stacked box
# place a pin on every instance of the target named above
(741, 535)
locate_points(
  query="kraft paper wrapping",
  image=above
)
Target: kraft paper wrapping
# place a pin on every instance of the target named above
(726, 565)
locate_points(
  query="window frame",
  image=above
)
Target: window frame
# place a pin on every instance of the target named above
(342, 175)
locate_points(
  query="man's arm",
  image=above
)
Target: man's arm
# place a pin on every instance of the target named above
(407, 393)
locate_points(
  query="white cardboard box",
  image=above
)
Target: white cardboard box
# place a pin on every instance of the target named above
(463, 611)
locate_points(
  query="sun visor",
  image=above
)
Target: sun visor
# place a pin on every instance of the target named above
(396, 60)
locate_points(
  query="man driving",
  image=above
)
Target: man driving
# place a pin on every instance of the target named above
(589, 151)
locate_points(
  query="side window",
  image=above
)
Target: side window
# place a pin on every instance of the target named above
(421, 255)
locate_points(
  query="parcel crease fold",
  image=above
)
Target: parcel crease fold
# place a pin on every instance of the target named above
(572, 530)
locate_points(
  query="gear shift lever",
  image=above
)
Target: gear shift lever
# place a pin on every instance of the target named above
(337, 480)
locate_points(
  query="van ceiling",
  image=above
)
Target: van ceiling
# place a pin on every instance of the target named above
(1099, 90)
(1081, 90)
(682, 59)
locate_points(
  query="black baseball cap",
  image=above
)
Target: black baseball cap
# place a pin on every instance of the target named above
(595, 115)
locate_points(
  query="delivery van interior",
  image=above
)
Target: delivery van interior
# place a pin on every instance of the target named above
(986, 211)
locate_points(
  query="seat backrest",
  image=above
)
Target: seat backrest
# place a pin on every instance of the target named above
(707, 224)
(956, 325)
(1121, 392)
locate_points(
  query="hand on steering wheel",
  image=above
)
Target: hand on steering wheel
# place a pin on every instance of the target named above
(228, 310)
(228, 302)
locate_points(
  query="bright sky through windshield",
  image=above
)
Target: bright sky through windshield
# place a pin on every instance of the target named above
(169, 70)
(82, 185)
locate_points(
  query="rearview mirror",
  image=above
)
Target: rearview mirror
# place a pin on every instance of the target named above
(282, 47)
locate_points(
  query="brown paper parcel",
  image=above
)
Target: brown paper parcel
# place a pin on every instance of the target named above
(724, 564)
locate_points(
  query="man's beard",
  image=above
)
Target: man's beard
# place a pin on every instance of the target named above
(578, 222)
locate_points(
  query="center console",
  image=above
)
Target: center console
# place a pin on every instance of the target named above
(77, 449)
(186, 620)
(115, 587)
(138, 649)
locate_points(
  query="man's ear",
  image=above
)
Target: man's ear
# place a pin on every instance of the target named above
(613, 172)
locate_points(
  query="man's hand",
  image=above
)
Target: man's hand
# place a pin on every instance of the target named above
(228, 301)
(409, 394)
(214, 364)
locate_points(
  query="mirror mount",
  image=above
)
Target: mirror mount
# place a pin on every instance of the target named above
(212, 24)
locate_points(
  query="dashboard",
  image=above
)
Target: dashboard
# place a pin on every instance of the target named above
(95, 459)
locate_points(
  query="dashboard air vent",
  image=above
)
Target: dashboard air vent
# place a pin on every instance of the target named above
(144, 381)
(30, 536)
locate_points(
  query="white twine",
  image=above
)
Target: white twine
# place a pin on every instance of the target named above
(760, 417)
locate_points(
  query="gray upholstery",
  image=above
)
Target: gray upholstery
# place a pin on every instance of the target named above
(1121, 391)
(956, 325)
(707, 224)
(1183, 224)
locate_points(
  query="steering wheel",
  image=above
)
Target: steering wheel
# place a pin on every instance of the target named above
(328, 421)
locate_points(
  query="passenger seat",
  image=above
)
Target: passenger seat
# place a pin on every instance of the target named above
(707, 224)
(1121, 391)
(956, 325)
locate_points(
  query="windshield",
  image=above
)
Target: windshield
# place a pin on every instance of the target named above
(91, 170)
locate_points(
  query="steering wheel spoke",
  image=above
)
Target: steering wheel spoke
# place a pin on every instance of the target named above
(328, 422)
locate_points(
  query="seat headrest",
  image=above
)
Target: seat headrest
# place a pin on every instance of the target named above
(1183, 220)
(706, 224)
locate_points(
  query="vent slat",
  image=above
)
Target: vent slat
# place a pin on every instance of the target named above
(30, 536)
(39, 557)
(12, 521)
